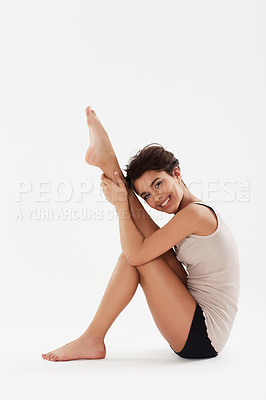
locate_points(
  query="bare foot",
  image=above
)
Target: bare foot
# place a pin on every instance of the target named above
(83, 347)
(100, 150)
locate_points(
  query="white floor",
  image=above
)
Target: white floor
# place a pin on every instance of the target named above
(139, 364)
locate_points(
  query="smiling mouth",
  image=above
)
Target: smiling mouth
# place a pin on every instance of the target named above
(166, 202)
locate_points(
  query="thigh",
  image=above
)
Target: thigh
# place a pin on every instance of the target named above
(171, 304)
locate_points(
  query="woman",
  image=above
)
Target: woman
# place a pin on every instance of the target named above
(194, 311)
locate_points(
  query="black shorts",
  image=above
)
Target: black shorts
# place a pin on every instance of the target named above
(198, 344)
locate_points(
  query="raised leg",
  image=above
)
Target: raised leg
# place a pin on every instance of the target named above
(125, 279)
(101, 154)
(164, 279)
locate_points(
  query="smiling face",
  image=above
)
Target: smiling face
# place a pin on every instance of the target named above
(155, 187)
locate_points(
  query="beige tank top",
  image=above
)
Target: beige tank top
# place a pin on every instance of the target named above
(213, 277)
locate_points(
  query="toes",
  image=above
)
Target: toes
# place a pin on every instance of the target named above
(88, 110)
(49, 356)
(53, 357)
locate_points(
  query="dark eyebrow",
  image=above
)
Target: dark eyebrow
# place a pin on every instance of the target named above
(150, 185)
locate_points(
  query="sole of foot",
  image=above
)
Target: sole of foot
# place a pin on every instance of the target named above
(100, 149)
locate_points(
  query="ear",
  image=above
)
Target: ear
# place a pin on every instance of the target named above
(177, 173)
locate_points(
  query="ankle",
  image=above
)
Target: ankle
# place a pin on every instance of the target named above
(110, 162)
(95, 336)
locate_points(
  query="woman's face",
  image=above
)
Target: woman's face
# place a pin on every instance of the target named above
(155, 187)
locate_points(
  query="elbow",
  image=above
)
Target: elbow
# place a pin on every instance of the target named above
(127, 258)
(132, 260)
(136, 261)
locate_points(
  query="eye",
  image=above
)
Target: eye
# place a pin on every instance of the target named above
(145, 197)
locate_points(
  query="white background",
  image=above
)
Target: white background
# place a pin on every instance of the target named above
(189, 75)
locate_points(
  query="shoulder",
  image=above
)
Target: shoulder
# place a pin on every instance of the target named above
(189, 219)
(205, 219)
(193, 215)
(192, 210)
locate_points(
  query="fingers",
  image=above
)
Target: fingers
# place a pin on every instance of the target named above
(105, 180)
(119, 179)
(108, 181)
(102, 184)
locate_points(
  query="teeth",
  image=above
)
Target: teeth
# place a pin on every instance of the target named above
(166, 201)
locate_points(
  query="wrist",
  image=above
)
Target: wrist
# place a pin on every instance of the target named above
(123, 210)
(122, 205)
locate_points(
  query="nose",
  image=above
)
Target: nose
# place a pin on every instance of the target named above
(157, 198)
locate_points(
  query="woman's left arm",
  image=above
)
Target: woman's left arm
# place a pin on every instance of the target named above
(140, 250)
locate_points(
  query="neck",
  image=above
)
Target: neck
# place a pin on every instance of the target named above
(187, 198)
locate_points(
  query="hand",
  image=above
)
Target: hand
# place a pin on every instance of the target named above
(116, 194)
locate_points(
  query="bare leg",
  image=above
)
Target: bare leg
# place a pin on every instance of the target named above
(119, 291)
(171, 304)
(163, 280)
(91, 343)
(101, 154)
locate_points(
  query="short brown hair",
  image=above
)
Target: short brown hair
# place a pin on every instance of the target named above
(152, 157)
